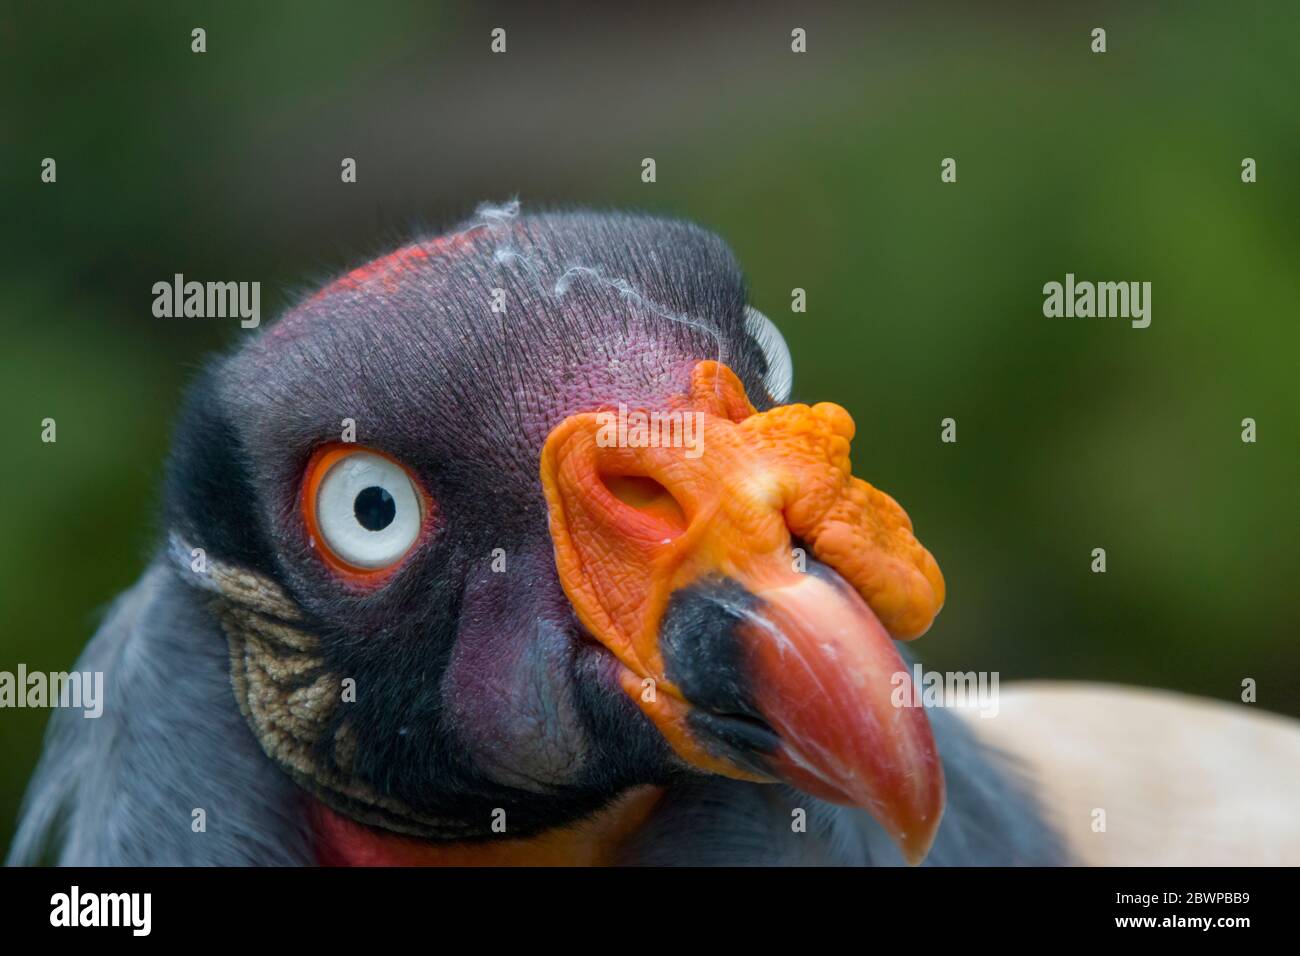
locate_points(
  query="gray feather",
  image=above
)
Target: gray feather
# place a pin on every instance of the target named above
(990, 820)
(121, 789)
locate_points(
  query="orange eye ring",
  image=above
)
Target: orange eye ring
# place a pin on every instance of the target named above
(319, 467)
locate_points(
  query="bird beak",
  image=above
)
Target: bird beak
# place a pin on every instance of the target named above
(680, 539)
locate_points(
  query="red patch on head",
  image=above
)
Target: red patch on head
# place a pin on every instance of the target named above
(387, 269)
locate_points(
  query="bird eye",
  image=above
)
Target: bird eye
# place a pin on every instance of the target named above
(362, 509)
(779, 378)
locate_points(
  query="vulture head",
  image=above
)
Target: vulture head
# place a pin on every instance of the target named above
(514, 528)
(513, 549)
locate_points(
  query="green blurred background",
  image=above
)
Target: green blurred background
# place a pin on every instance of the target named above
(822, 170)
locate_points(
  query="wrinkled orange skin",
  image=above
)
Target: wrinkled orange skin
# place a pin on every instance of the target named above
(761, 478)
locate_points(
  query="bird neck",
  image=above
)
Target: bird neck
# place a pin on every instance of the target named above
(593, 841)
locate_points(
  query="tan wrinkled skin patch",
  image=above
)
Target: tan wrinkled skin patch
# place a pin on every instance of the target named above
(289, 700)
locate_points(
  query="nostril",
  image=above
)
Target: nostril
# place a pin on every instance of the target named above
(648, 497)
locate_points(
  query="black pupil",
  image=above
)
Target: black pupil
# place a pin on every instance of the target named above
(374, 508)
